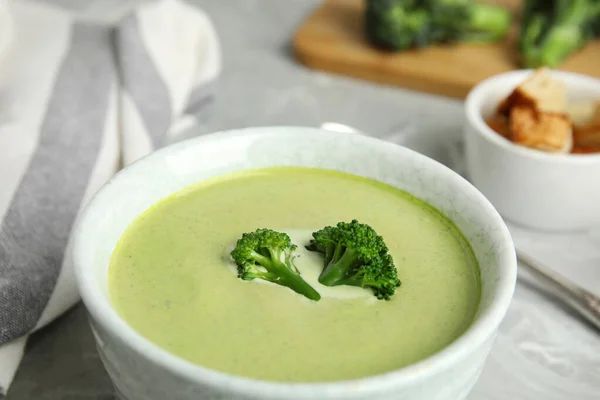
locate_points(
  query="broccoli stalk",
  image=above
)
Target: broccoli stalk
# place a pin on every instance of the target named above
(267, 254)
(464, 20)
(551, 30)
(355, 255)
(404, 24)
(481, 23)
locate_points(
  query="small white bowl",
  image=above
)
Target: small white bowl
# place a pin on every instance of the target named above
(142, 371)
(552, 192)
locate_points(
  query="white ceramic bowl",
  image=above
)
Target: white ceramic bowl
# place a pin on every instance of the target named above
(532, 188)
(142, 371)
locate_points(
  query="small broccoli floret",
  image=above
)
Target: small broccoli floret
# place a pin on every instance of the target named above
(551, 30)
(355, 255)
(267, 254)
(397, 24)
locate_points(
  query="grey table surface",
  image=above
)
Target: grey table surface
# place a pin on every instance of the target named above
(262, 84)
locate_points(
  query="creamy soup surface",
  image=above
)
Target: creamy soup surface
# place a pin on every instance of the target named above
(171, 279)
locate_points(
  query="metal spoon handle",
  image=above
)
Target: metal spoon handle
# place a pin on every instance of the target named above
(582, 301)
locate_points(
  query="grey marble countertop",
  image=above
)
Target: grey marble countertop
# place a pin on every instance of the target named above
(542, 352)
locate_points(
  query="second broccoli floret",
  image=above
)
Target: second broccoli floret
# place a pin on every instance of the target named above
(267, 254)
(551, 30)
(355, 255)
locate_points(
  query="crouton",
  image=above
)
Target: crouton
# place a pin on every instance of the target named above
(538, 91)
(546, 131)
(587, 135)
(585, 150)
(499, 123)
(583, 112)
(586, 129)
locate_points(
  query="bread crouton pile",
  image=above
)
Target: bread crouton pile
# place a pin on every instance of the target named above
(537, 115)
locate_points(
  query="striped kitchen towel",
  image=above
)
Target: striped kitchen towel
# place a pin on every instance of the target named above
(78, 99)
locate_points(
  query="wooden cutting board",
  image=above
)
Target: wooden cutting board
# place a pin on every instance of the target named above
(332, 40)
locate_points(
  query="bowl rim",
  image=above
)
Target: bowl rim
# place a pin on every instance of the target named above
(481, 329)
(478, 94)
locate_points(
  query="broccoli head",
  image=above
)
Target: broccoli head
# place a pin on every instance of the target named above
(551, 30)
(397, 24)
(355, 255)
(267, 254)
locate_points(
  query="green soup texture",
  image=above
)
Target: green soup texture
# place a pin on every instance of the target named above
(171, 279)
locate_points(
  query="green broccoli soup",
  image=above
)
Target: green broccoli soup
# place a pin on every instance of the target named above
(295, 274)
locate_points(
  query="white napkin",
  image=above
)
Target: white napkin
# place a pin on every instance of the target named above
(77, 101)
